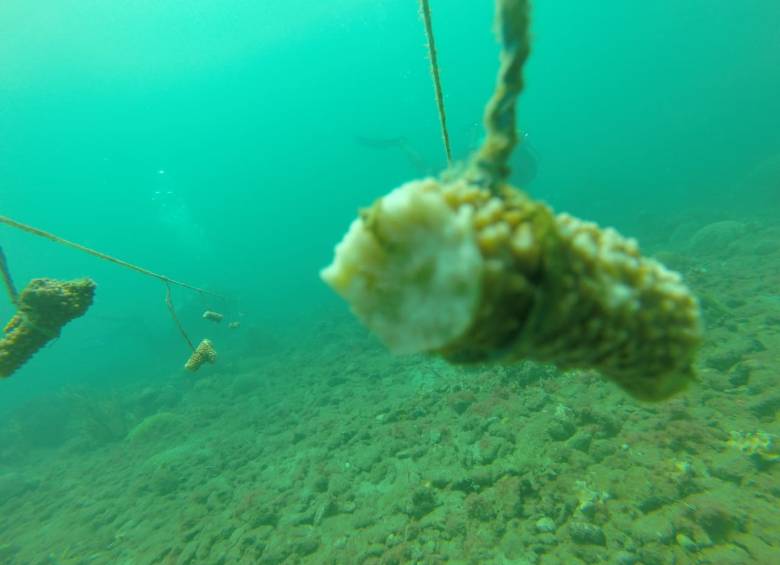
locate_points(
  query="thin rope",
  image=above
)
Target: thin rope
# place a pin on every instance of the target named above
(172, 310)
(425, 11)
(8, 282)
(56, 239)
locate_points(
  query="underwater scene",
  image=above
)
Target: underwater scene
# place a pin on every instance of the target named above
(389, 282)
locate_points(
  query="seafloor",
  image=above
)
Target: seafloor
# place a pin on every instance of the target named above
(326, 449)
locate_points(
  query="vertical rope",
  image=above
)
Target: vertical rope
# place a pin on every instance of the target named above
(8, 282)
(491, 164)
(172, 310)
(425, 11)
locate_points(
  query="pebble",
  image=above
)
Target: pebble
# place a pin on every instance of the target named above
(545, 525)
(686, 543)
(584, 533)
(625, 558)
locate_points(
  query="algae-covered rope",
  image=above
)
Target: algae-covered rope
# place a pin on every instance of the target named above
(490, 166)
(56, 239)
(425, 11)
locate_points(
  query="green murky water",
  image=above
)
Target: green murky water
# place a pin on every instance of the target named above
(229, 144)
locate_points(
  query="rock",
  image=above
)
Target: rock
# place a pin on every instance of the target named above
(422, 502)
(13, 485)
(601, 449)
(155, 428)
(679, 236)
(478, 507)
(460, 401)
(716, 518)
(320, 484)
(716, 238)
(686, 543)
(625, 558)
(545, 525)
(163, 481)
(653, 501)
(276, 553)
(168, 471)
(363, 518)
(580, 441)
(585, 533)
(152, 399)
(440, 477)
(561, 430)
(728, 554)
(7, 552)
(655, 527)
(487, 450)
(306, 544)
(728, 354)
(766, 407)
(246, 384)
(326, 508)
(484, 477)
(731, 467)
(465, 484)
(739, 374)
(262, 515)
(44, 422)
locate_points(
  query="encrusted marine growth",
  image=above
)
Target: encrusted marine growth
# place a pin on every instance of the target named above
(44, 307)
(453, 269)
(204, 353)
(212, 316)
(475, 270)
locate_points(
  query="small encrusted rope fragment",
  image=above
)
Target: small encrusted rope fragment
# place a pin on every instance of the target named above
(204, 353)
(44, 307)
(212, 316)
